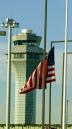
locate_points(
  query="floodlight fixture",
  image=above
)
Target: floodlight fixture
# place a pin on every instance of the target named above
(10, 22)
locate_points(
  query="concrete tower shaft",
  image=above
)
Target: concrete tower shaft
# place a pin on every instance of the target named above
(26, 55)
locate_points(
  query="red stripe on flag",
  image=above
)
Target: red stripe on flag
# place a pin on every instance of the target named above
(51, 80)
(26, 90)
(40, 77)
(51, 69)
(46, 67)
(35, 78)
(50, 75)
(30, 81)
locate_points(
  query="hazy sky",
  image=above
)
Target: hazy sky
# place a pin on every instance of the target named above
(30, 14)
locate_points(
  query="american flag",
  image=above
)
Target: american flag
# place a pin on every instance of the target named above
(51, 67)
(36, 78)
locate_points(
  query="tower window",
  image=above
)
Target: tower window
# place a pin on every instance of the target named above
(18, 55)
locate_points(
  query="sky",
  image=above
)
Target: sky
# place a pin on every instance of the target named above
(30, 15)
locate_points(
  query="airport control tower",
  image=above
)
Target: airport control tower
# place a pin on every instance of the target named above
(26, 54)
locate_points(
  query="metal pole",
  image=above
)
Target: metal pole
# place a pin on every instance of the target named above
(65, 66)
(43, 91)
(62, 90)
(60, 41)
(10, 23)
(67, 114)
(50, 106)
(50, 90)
(8, 80)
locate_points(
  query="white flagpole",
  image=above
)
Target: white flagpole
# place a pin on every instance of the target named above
(44, 84)
(65, 70)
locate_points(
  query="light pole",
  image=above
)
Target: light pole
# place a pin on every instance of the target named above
(10, 23)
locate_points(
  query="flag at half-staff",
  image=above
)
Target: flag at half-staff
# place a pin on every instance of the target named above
(50, 77)
(36, 78)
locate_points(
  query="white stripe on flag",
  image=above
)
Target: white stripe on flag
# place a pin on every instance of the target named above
(33, 79)
(50, 78)
(28, 82)
(51, 72)
(52, 66)
(38, 74)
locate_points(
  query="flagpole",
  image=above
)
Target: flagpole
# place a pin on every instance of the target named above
(65, 70)
(62, 90)
(50, 105)
(67, 105)
(43, 91)
(50, 90)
